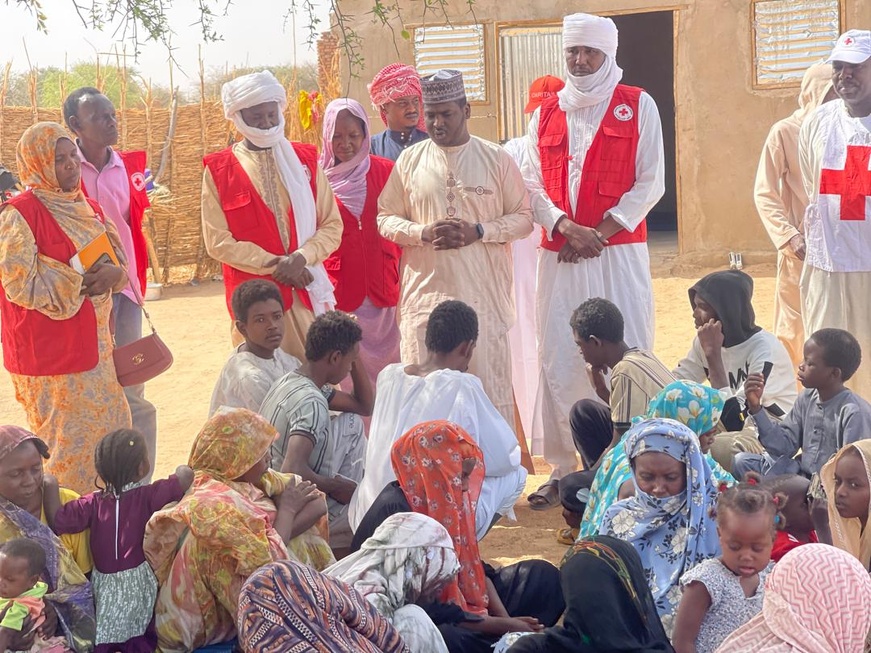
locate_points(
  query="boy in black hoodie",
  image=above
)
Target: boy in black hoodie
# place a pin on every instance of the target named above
(728, 347)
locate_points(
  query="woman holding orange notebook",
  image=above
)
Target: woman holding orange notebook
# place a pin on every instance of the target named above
(55, 320)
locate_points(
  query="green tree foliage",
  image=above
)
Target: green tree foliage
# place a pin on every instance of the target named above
(301, 78)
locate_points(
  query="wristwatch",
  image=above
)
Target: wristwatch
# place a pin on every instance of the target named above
(480, 229)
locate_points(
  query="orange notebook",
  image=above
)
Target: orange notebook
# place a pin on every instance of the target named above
(95, 251)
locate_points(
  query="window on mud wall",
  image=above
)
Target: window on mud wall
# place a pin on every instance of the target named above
(460, 47)
(791, 35)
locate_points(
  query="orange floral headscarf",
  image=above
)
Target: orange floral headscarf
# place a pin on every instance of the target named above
(428, 461)
(35, 156)
(231, 443)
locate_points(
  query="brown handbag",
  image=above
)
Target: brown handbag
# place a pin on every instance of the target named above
(143, 359)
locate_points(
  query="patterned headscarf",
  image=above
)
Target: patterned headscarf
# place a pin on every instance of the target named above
(348, 179)
(12, 436)
(847, 534)
(671, 534)
(231, 443)
(428, 461)
(392, 82)
(35, 156)
(817, 600)
(409, 559)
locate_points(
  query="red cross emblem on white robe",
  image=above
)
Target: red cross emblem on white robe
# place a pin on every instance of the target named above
(852, 184)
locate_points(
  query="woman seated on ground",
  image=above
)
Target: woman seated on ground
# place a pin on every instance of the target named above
(608, 604)
(696, 406)
(69, 601)
(817, 600)
(439, 471)
(668, 521)
(287, 606)
(237, 516)
(405, 565)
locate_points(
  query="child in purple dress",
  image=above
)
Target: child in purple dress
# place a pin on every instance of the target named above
(125, 587)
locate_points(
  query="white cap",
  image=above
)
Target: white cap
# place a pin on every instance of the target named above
(853, 46)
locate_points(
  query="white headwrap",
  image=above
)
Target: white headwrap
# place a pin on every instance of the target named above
(249, 91)
(587, 90)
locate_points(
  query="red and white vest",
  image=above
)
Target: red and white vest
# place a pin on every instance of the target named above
(609, 166)
(366, 264)
(249, 219)
(33, 343)
(134, 164)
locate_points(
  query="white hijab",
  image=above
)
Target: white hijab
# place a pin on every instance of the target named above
(586, 30)
(249, 91)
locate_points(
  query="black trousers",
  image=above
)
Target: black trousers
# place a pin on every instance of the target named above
(570, 485)
(528, 589)
(592, 429)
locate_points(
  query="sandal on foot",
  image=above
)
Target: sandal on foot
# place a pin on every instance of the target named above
(545, 497)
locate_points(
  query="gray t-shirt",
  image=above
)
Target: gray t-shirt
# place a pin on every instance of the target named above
(296, 405)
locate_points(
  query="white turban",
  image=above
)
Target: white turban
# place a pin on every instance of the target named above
(257, 88)
(250, 90)
(590, 31)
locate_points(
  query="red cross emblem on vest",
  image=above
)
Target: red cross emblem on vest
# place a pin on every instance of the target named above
(852, 184)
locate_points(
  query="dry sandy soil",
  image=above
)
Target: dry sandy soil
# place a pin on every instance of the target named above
(194, 323)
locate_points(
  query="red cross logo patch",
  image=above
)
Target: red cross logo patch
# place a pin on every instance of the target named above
(623, 112)
(137, 179)
(852, 184)
(848, 40)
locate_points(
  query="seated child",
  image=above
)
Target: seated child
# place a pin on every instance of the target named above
(728, 347)
(826, 416)
(21, 590)
(794, 524)
(597, 425)
(258, 362)
(327, 452)
(440, 388)
(722, 594)
(845, 479)
(125, 587)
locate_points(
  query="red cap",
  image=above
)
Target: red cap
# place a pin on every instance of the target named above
(541, 89)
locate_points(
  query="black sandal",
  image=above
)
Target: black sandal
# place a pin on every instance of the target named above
(545, 497)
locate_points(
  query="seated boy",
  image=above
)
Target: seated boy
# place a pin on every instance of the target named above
(441, 388)
(826, 416)
(328, 453)
(729, 347)
(636, 377)
(258, 362)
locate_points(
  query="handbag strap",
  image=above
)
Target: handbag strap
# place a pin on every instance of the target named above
(140, 301)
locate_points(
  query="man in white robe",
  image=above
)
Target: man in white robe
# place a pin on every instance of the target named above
(835, 159)
(440, 388)
(592, 210)
(455, 203)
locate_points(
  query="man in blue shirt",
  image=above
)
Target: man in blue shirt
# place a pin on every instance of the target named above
(395, 92)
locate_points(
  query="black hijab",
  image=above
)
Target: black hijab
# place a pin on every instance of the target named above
(609, 608)
(729, 293)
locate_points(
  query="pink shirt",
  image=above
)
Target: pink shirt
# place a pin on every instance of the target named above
(110, 187)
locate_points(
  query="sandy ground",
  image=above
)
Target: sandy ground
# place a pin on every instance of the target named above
(194, 323)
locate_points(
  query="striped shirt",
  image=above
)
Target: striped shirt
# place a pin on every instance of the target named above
(296, 406)
(635, 380)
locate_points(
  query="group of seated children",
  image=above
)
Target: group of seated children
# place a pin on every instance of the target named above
(668, 552)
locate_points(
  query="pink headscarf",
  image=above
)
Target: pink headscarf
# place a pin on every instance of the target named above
(394, 81)
(348, 179)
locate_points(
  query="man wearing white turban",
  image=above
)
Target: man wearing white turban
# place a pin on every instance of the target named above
(594, 171)
(268, 209)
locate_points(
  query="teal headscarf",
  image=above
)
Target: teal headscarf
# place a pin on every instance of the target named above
(695, 405)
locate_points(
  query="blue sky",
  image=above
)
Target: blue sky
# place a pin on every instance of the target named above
(254, 32)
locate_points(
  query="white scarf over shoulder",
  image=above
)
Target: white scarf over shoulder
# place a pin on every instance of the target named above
(249, 91)
(586, 30)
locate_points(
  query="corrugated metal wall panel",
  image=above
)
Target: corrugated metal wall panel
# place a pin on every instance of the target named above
(459, 47)
(791, 35)
(525, 53)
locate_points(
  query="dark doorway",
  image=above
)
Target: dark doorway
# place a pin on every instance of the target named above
(646, 55)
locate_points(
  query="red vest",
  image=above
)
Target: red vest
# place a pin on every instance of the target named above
(366, 264)
(609, 168)
(251, 220)
(134, 163)
(33, 343)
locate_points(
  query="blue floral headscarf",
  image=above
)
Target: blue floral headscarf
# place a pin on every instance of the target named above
(697, 406)
(671, 534)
